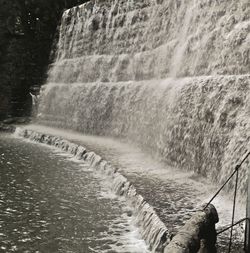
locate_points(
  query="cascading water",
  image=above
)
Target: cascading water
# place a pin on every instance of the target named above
(199, 124)
(107, 50)
(176, 62)
(115, 75)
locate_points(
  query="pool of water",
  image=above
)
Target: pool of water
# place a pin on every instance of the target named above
(49, 203)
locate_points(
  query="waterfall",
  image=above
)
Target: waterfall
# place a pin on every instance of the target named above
(113, 41)
(115, 75)
(199, 124)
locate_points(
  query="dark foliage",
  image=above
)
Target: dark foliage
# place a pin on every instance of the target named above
(27, 32)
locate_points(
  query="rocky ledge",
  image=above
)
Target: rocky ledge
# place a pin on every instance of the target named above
(9, 125)
(7, 128)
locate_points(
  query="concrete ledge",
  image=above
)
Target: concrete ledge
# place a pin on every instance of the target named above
(198, 235)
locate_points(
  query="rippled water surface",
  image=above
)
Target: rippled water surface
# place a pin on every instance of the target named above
(50, 204)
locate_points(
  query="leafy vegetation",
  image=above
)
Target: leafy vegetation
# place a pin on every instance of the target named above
(27, 32)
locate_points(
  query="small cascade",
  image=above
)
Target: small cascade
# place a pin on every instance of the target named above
(153, 231)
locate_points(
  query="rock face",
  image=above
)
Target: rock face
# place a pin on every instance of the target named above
(4, 106)
(115, 74)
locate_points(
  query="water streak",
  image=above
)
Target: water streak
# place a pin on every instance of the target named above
(176, 62)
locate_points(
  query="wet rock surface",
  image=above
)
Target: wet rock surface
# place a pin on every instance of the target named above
(9, 125)
(7, 128)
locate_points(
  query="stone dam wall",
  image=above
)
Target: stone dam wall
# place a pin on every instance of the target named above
(172, 76)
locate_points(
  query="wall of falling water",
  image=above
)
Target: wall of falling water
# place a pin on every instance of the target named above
(116, 70)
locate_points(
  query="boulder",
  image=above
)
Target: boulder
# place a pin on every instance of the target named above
(198, 235)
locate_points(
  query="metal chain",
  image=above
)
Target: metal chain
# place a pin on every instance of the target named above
(233, 214)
